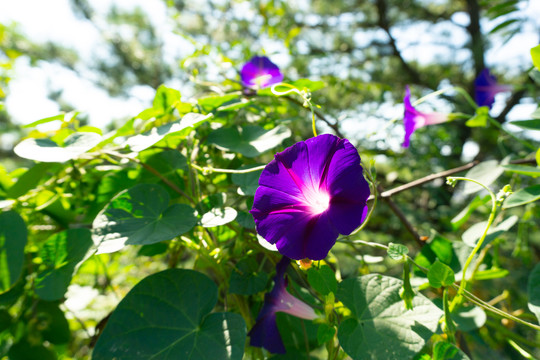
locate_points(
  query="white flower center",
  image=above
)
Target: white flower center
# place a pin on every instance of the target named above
(317, 201)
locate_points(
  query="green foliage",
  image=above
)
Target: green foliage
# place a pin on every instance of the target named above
(13, 237)
(174, 181)
(172, 323)
(440, 274)
(380, 326)
(322, 279)
(140, 216)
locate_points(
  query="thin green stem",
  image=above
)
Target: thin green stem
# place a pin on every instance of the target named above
(458, 298)
(303, 95)
(209, 169)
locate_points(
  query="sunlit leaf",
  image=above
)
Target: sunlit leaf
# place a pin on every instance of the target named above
(485, 173)
(139, 216)
(522, 197)
(535, 54)
(447, 351)
(322, 279)
(249, 140)
(523, 170)
(143, 141)
(473, 234)
(46, 150)
(218, 217)
(440, 274)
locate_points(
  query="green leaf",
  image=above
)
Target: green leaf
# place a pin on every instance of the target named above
(503, 25)
(325, 333)
(218, 217)
(440, 274)
(397, 251)
(63, 117)
(143, 141)
(248, 182)
(469, 318)
(245, 220)
(54, 326)
(485, 173)
(29, 180)
(211, 103)
(165, 99)
(246, 279)
(537, 157)
(323, 279)
(46, 150)
(533, 289)
(13, 237)
(447, 351)
(535, 55)
(473, 234)
(527, 124)
(250, 140)
(522, 197)
(480, 119)
(140, 216)
(24, 350)
(522, 169)
(153, 249)
(5, 320)
(380, 326)
(61, 254)
(464, 214)
(167, 316)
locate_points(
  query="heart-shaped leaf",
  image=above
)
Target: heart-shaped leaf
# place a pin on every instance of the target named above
(473, 234)
(167, 316)
(140, 216)
(380, 326)
(46, 150)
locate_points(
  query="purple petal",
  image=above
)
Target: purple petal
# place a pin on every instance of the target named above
(260, 72)
(310, 237)
(308, 195)
(265, 333)
(486, 87)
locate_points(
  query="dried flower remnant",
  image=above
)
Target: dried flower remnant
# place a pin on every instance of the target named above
(309, 194)
(486, 87)
(414, 119)
(265, 332)
(260, 72)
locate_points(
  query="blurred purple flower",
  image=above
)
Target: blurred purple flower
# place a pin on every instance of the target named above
(260, 72)
(308, 195)
(265, 332)
(414, 119)
(486, 87)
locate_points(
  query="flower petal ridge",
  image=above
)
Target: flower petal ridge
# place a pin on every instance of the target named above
(309, 194)
(260, 72)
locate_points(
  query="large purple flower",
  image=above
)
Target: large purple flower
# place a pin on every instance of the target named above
(308, 195)
(486, 87)
(260, 72)
(414, 119)
(265, 332)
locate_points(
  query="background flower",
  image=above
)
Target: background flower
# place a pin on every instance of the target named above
(260, 72)
(486, 87)
(309, 194)
(265, 332)
(414, 119)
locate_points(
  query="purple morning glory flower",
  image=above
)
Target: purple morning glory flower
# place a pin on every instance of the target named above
(265, 332)
(486, 87)
(260, 72)
(308, 195)
(414, 119)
